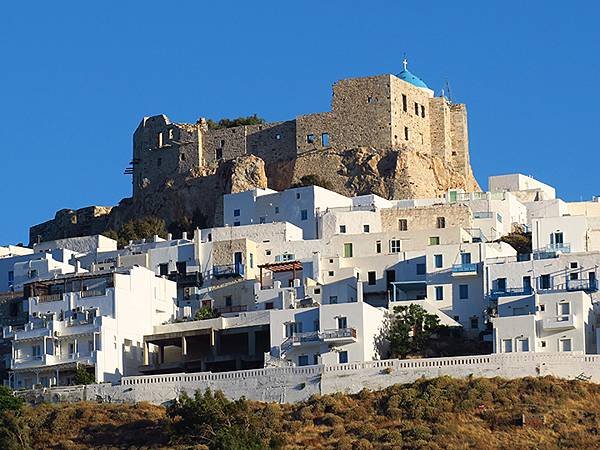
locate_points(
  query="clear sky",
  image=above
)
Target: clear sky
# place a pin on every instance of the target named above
(76, 78)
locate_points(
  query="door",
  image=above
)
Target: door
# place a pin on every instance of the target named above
(527, 284)
(465, 258)
(390, 277)
(592, 280)
(237, 261)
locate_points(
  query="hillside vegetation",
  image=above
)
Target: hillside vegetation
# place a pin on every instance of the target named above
(434, 414)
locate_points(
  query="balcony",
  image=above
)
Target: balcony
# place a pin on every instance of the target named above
(93, 293)
(233, 270)
(339, 336)
(563, 322)
(551, 250)
(582, 285)
(187, 280)
(464, 269)
(510, 292)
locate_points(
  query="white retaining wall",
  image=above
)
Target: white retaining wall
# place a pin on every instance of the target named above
(293, 384)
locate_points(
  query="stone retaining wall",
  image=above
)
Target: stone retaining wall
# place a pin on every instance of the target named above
(293, 384)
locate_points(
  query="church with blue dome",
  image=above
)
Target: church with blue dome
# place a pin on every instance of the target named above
(409, 77)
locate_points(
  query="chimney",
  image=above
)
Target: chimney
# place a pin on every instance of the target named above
(169, 237)
(184, 235)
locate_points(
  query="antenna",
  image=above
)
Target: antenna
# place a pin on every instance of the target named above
(448, 89)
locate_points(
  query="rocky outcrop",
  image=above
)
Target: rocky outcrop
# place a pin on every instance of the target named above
(395, 174)
(197, 200)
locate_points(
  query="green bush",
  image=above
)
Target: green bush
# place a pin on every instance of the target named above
(230, 123)
(84, 376)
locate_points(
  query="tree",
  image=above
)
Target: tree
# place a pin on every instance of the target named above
(83, 376)
(314, 180)
(8, 401)
(411, 330)
(520, 241)
(14, 431)
(230, 123)
(218, 423)
(206, 312)
(144, 228)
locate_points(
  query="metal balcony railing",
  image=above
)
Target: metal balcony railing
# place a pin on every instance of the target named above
(231, 270)
(464, 268)
(525, 290)
(318, 336)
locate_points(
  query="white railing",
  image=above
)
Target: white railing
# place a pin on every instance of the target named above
(396, 364)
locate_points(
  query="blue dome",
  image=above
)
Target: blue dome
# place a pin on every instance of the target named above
(407, 76)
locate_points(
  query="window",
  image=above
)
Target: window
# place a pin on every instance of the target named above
(325, 139)
(236, 213)
(463, 291)
(422, 111)
(465, 258)
(395, 246)
(304, 214)
(441, 222)
(251, 260)
(366, 228)
(228, 300)
(421, 269)
(372, 277)
(564, 345)
(268, 252)
(438, 261)
(378, 246)
(236, 223)
(262, 219)
(316, 359)
(343, 357)
(369, 99)
(303, 360)
(36, 351)
(474, 322)
(159, 162)
(573, 265)
(342, 229)
(219, 153)
(545, 282)
(33, 273)
(564, 310)
(163, 269)
(507, 345)
(501, 284)
(543, 343)
(182, 157)
(11, 276)
(434, 240)
(404, 103)
(317, 290)
(331, 273)
(333, 299)
(342, 323)
(499, 217)
(523, 344)
(160, 140)
(403, 224)
(277, 210)
(297, 195)
(278, 136)
(310, 138)
(406, 133)
(573, 276)
(557, 238)
(439, 293)
(416, 109)
(269, 305)
(348, 250)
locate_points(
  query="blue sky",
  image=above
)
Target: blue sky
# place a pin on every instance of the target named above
(77, 77)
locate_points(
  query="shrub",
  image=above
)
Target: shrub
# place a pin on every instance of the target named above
(84, 376)
(238, 121)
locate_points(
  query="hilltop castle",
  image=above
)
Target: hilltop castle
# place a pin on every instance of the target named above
(386, 134)
(385, 112)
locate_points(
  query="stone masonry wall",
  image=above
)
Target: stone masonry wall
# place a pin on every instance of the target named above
(294, 384)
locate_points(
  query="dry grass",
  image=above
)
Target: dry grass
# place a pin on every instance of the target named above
(442, 413)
